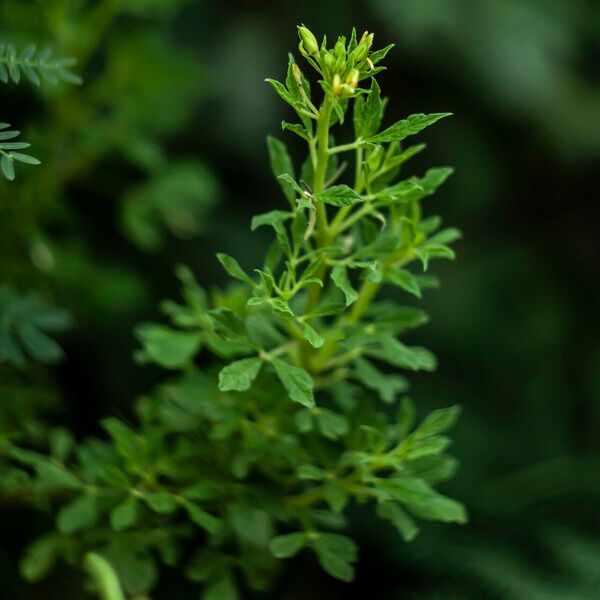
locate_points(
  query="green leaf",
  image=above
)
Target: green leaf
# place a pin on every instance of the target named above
(296, 381)
(295, 128)
(40, 557)
(405, 280)
(407, 127)
(396, 353)
(281, 91)
(233, 268)
(404, 524)
(275, 219)
(286, 546)
(379, 55)
(339, 276)
(223, 589)
(339, 195)
(386, 385)
(310, 472)
(406, 417)
(169, 348)
(53, 476)
(441, 508)
(313, 338)
(78, 514)
(335, 495)
(331, 424)
(8, 166)
(335, 553)
(61, 443)
(438, 421)
(281, 163)
(161, 502)
(39, 345)
(203, 519)
(124, 515)
(239, 375)
(368, 113)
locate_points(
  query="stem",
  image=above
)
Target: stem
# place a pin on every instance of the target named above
(322, 160)
(341, 215)
(104, 577)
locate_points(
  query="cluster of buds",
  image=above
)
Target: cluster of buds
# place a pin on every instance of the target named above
(341, 67)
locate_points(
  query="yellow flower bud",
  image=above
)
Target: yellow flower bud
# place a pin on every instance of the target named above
(297, 74)
(352, 79)
(336, 85)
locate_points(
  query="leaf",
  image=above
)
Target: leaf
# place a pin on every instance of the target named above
(339, 276)
(438, 421)
(404, 524)
(339, 195)
(331, 424)
(396, 353)
(379, 55)
(239, 375)
(286, 546)
(281, 91)
(281, 163)
(387, 385)
(8, 167)
(40, 557)
(296, 381)
(442, 508)
(295, 128)
(407, 127)
(169, 348)
(39, 345)
(275, 219)
(406, 417)
(313, 338)
(335, 553)
(405, 280)
(78, 514)
(233, 268)
(310, 472)
(124, 515)
(161, 502)
(61, 443)
(368, 113)
(335, 495)
(223, 589)
(203, 519)
(52, 476)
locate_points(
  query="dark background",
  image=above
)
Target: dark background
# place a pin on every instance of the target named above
(177, 86)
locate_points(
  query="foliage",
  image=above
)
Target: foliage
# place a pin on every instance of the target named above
(33, 66)
(258, 456)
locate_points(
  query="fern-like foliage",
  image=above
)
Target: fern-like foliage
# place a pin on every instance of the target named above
(8, 156)
(24, 319)
(34, 66)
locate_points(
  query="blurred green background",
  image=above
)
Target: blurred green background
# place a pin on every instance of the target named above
(159, 158)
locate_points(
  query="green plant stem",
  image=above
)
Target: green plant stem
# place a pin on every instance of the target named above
(104, 576)
(322, 160)
(338, 225)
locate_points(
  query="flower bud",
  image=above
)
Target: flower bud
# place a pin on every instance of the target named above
(360, 53)
(309, 41)
(370, 39)
(336, 85)
(340, 48)
(327, 60)
(297, 74)
(352, 79)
